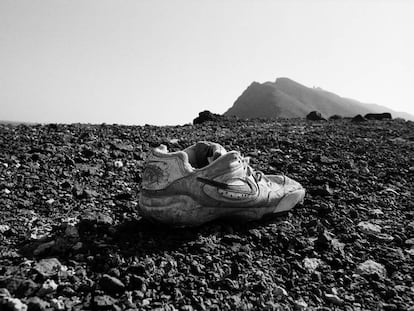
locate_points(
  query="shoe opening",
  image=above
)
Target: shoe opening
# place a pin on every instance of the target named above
(203, 153)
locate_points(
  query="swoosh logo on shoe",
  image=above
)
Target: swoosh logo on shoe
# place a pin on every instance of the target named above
(233, 188)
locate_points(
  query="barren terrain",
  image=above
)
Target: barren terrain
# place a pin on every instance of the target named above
(72, 239)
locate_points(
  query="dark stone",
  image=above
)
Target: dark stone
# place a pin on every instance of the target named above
(323, 191)
(104, 302)
(137, 283)
(66, 184)
(378, 116)
(78, 192)
(389, 306)
(324, 239)
(111, 285)
(122, 147)
(231, 238)
(92, 218)
(358, 118)
(123, 196)
(37, 304)
(27, 288)
(67, 291)
(114, 272)
(206, 116)
(335, 117)
(88, 193)
(88, 152)
(11, 284)
(315, 116)
(138, 269)
(4, 292)
(316, 276)
(47, 267)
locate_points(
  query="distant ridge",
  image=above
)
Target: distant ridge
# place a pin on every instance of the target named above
(8, 122)
(286, 98)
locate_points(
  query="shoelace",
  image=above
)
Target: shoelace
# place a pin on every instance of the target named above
(257, 175)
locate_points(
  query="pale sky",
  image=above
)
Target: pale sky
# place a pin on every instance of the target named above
(162, 62)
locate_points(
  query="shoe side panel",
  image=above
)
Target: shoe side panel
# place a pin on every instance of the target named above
(237, 187)
(160, 171)
(207, 195)
(165, 176)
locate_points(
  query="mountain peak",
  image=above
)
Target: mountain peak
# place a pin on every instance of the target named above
(286, 98)
(284, 79)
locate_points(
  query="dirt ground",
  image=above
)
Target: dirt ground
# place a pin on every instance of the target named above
(72, 239)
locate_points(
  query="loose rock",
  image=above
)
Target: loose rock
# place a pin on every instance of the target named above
(37, 304)
(333, 299)
(311, 264)
(111, 284)
(369, 227)
(12, 304)
(48, 267)
(315, 116)
(370, 267)
(49, 286)
(4, 228)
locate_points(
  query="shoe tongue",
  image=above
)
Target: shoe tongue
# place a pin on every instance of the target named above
(231, 161)
(207, 153)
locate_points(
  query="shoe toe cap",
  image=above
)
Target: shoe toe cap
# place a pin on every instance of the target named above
(286, 193)
(291, 185)
(288, 184)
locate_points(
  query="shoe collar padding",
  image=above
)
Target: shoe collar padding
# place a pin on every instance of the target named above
(227, 160)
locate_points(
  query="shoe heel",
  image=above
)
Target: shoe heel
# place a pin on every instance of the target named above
(176, 210)
(290, 200)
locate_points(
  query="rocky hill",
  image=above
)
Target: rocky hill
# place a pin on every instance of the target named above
(286, 98)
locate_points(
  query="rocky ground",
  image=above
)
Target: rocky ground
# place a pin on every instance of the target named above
(72, 239)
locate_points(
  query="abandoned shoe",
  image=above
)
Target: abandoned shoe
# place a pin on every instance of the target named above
(178, 190)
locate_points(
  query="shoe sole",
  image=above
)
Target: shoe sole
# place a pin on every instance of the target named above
(182, 210)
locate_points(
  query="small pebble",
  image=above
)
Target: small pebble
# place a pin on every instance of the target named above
(300, 305)
(49, 286)
(311, 264)
(369, 227)
(332, 298)
(4, 228)
(14, 304)
(118, 164)
(57, 304)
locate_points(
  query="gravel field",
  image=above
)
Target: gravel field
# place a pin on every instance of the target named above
(72, 238)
